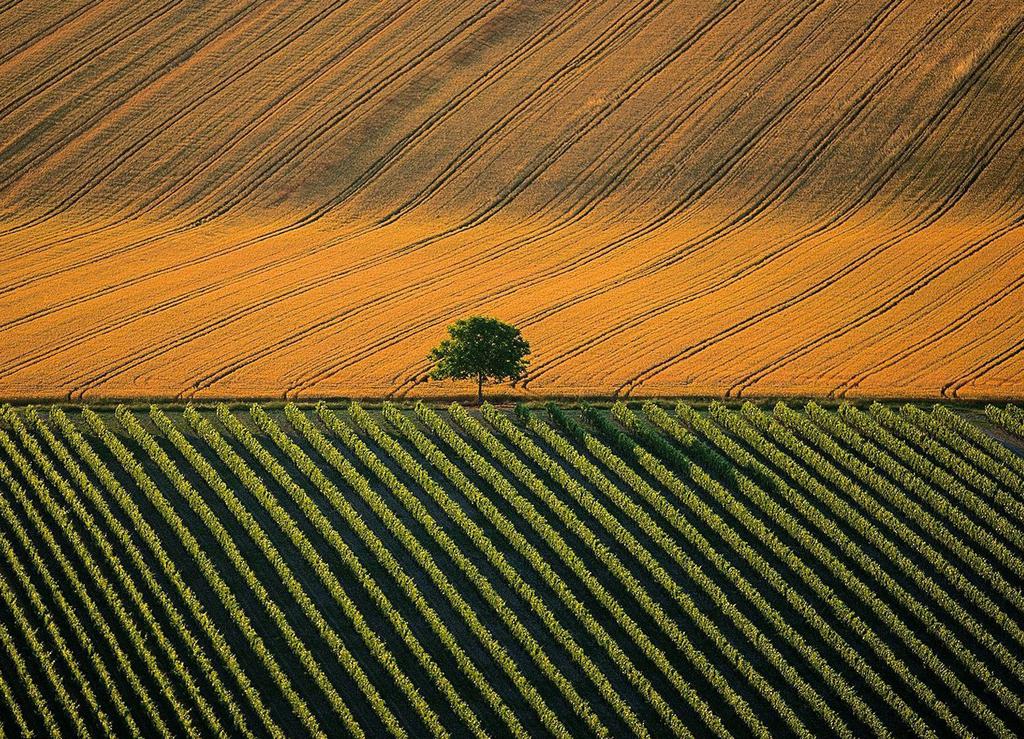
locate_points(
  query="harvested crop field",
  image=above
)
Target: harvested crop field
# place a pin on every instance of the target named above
(224, 199)
(409, 571)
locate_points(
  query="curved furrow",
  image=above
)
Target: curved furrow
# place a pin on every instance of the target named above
(1005, 135)
(545, 88)
(1007, 330)
(431, 322)
(383, 172)
(82, 384)
(647, 145)
(702, 242)
(650, 227)
(116, 162)
(876, 183)
(380, 223)
(364, 37)
(203, 382)
(217, 212)
(746, 323)
(463, 227)
(697, 244)
(750, 321)
(580, 203)
(275, 106)
(39, 154)
(228, 368)
(875, 186)
(545, 232)
(200, 292)
(931, 339)
(56, 25)
(257, 178)
(407, 330)
(77, 62)
(557, 27)
(299, 128)
(7, 5)
(550, 32)
(392, 342)
(100, 293)
(145, 354)
(480, 216)
(1011, 352)
(623, 30)
(552, 153)
(237, 75)
(942, 332)
(93, 119)
(52, 349)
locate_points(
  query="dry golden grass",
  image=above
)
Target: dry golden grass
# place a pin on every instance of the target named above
(742, 197)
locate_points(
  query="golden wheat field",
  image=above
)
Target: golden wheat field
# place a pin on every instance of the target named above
(221, 198)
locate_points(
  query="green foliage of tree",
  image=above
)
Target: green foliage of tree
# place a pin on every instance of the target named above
(481, 348)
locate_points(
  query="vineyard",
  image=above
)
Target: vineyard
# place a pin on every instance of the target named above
(411, 571)
(265, 200)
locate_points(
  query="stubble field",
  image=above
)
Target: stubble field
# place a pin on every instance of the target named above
(226, 199)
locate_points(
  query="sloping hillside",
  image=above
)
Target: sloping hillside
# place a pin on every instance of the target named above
(225, 198)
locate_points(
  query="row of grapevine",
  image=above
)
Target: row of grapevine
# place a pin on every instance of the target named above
(28, 683)
(1009, 419)
(810, 545)
(229, 600)
(44, 614)
(529, 552)
(883, 461)
(746, 461)
(526, 509)
(657, 534)
(475, 533)
(258, 536)
(50, 669)
(896, 624)
(651, 565)
(242, 565)
(952, 573)
(254, 485)
(7, 692)
(951, 605)
(932, 623)
(383, 555)
(962, 471)
(168, 567)
(126, 627)
(952, 446)
(125, 580)
(1013, 463)
(440, 461)
(624, 572)
(813, 546)
(900, 424)
(779, 581)
(787, 465)
(524, 474)
(437, 534)
(868, 529)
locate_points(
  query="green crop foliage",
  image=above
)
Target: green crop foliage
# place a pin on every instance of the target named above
(537, 571)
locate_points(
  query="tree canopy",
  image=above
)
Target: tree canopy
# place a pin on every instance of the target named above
(480, 348)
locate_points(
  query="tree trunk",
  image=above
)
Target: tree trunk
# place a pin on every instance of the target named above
(479, 389)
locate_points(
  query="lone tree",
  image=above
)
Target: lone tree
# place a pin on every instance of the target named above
(483, 348)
